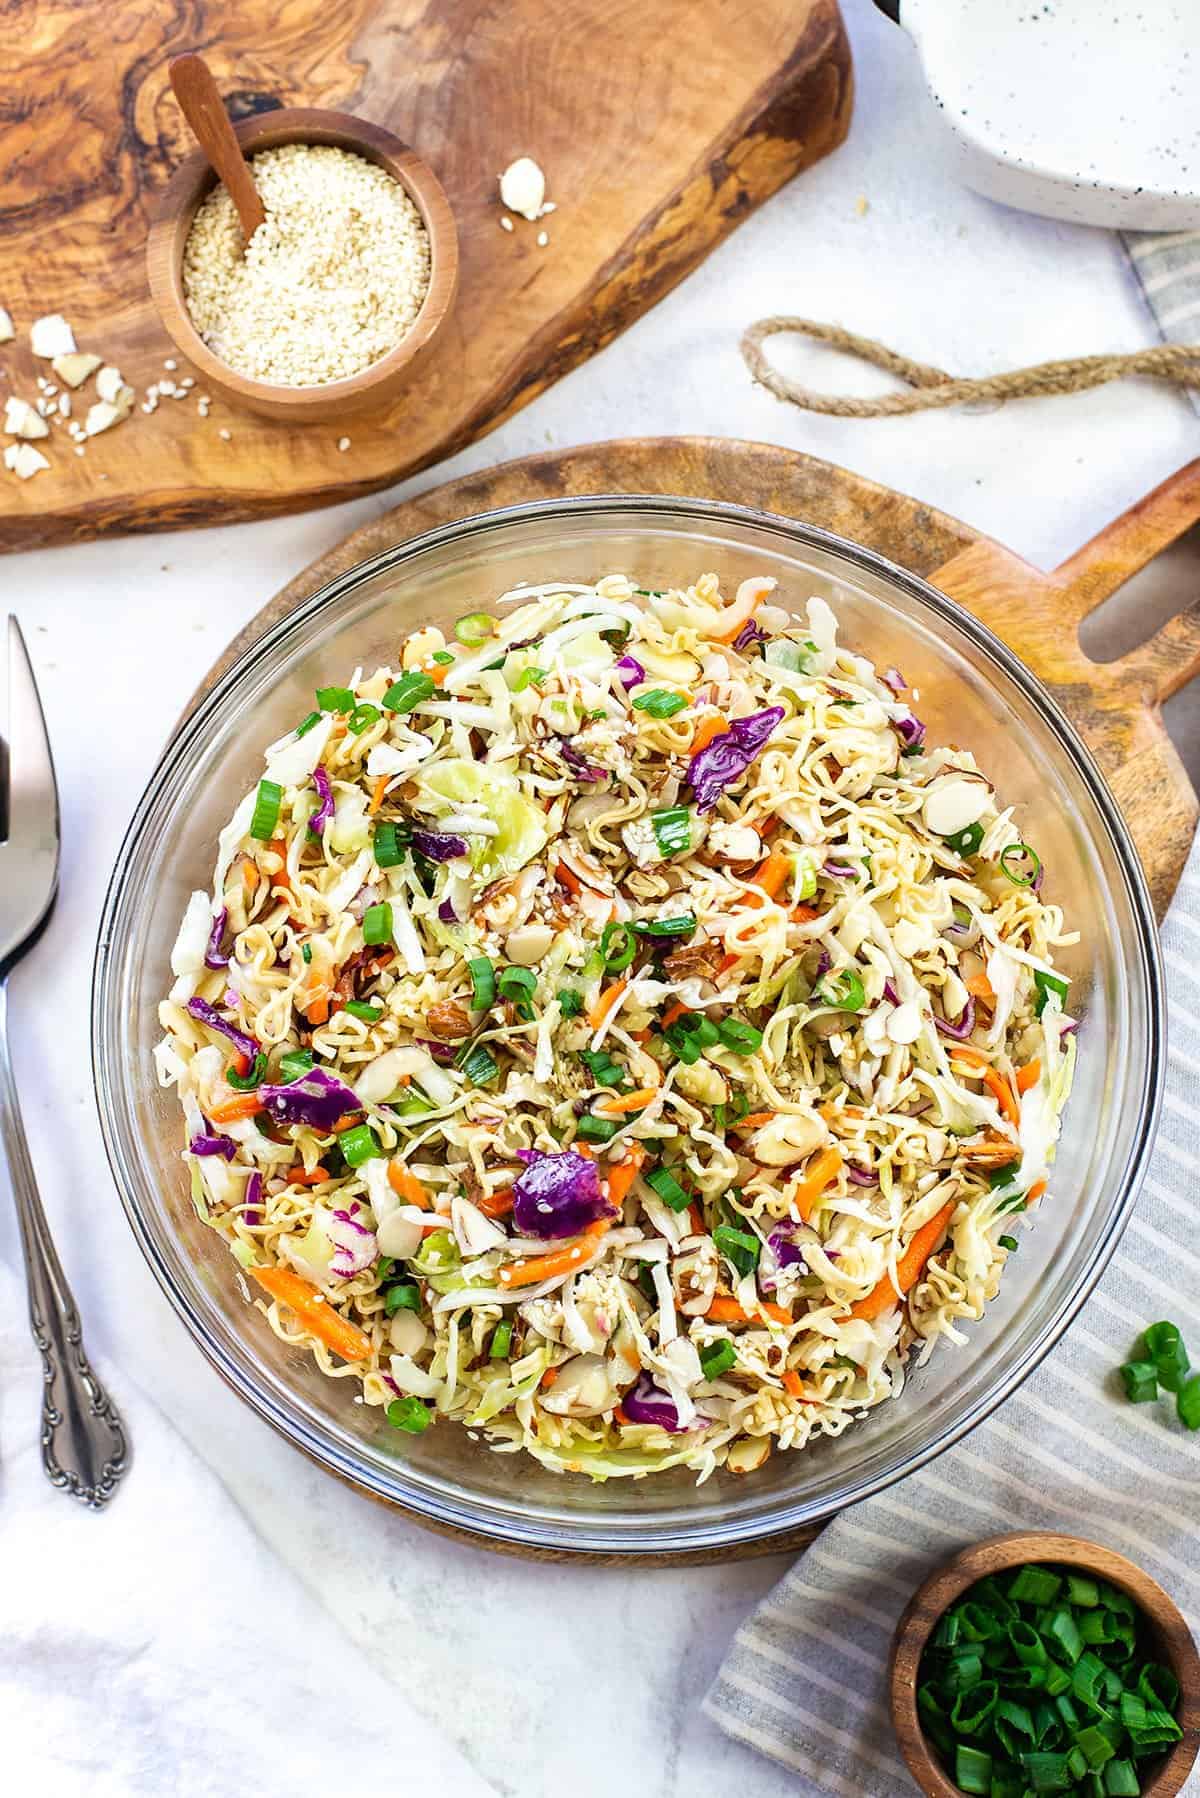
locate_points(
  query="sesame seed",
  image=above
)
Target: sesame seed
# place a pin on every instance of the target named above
(543, 238)
(343, 443)
(506, 223)
(225, 436)
(171, 364)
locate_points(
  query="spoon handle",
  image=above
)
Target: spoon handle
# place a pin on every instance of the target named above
(205, 112)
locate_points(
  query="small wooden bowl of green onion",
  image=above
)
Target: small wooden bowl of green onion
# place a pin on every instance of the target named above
(1039, 1663)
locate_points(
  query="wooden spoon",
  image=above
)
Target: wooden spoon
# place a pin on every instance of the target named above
(205, 112)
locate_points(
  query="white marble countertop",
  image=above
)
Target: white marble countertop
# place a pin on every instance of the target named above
(120, 631)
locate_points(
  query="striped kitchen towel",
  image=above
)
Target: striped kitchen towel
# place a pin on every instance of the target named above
(1167, 265)
(805, 1677)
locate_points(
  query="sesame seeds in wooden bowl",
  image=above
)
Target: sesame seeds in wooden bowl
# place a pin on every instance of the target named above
(1164, 1624)
(315, 325)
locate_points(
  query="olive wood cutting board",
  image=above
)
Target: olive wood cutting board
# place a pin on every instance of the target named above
(1116, 706)
(659, 127)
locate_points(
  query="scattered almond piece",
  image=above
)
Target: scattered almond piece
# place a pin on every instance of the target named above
(23, 420)
(103, 416)
(74, 369)
(6, 326)
(111, 386)
(523, 187)
(24, 461)
(51, 336)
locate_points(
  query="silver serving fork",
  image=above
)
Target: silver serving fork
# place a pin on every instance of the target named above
(84, 1451)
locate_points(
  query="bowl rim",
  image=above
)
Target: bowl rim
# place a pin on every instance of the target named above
(194, 178)
(951, 1578)
(511, 1528)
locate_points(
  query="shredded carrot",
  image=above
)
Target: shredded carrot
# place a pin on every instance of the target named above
(640, 1036)
(792, 1383)
(727, 1311)
(980, 987)
(405, 1185)
(754, 1121)
(1003, 1094)
(621, 1102)
(377, 793)
(437, 672)
(344, 1338)
(250, 876)
(772, 874)
(318, 1012)
(1029, 1075)
(548, 1378)
(278, 846)
(347, 1121)
(767, 827)
(619, 1415)
(821, 1170)
(908, 1268)
(403, 1079)
(705, 731)
(298, 1177)
(678, 1010)
(804, 914)
(567, 878)
(622, 1176)
(558, 1261)
(242, 1105)
(1036, 1191)
(241, 1065)
(694, 1221)
(496, 1204)
(605, 1002)
(966, 1052)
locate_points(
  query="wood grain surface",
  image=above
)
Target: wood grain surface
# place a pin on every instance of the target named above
(660, 127)
(1116, 706)
(1174, 1645)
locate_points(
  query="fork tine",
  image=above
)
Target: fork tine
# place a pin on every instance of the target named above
(32, 810)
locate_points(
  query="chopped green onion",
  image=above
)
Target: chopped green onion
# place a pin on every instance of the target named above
(306, 953)
(516, 984)
(972, 1769)
(739, 1246)
(336, 699)
(681, 926)
(594, 1129)
(1021, 864)
(1141, 1382)
(410, 1105)
(483, 983)
(529, 677)
(965, 842)
(386, 846)
(480, 1067)
(358, 1008)
(1046, 1772)
(358, 1145)
(1121, 1780)
(1009, 1243)
(1034, 1585)
(664, 1183)
(1047, 985)
(245, 1083)
(842, 989)
(659, 703)
(741, 1037)
(406, 693)
(443, 658)
(377, 924)
(363, 717)
(618, 946)
(673, 829)
(475, 629)
(1187, 1403)
(1082, 1591)
(1163, 1344)
(410, 1414)
(404, 1295)
(501, 1343)
(1062, 1627)
(808, 875)
(295, 1064)
(717, 1359)
(685, 1047)
(570, 1003)
(1095, 1747)
(307, 724)
(267, 802)
(601, 1066)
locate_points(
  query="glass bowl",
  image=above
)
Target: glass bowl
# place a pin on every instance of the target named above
(971, 691)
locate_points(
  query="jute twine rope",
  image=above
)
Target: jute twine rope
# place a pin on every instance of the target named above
(1175, 362)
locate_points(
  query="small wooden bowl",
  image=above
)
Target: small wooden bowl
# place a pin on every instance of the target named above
(379, 383)
(1172, 1639)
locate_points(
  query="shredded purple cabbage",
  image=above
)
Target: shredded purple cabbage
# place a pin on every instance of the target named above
(438, 845)
(785, 1251)
(861, 1176)
(355, 1249)
(250, 1199)
(578, 763)
(749, 633)
(630, 671)
(647, 1403)
(447, 913)
(214, 1145)
(824, 963)
(892, 677)
(441, 1052)
(208, 1014)
(890, 993)
(840, 870)
(316, 1099)
(557, 1195)
(212, 955)
(728, 756)
(958, 1033)
(324, 811)
(910, 731)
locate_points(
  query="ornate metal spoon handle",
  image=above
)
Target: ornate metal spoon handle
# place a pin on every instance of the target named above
(84, 1451)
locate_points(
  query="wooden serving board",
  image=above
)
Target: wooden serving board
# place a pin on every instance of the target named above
(1116, 706)
(659, 126)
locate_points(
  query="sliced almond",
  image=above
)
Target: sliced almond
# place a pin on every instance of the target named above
(523, 187)
(407, 1333)
(526, 946)
(75, 368)
(748, 1454)
(904, 1022)
(23, 420)
(103, 416)
(109, 385)
(954, 803)
(24, 460)
(51, 336)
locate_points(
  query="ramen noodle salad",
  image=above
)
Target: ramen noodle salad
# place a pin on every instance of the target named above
(619, 1031)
